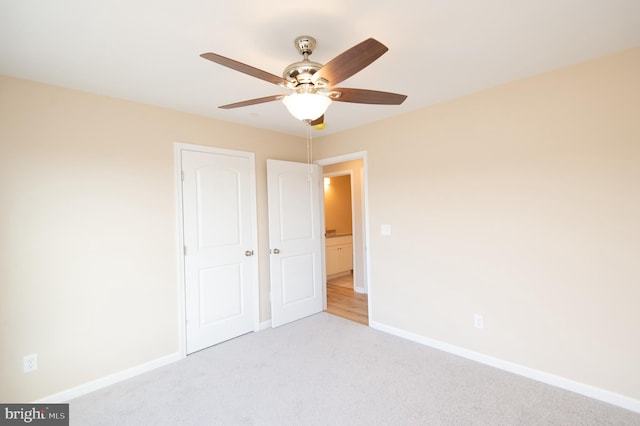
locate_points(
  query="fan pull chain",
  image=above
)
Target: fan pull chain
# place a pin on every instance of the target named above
(309, 150)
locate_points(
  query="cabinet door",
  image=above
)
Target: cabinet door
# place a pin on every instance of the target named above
(339, 258)
(332, 254)
(346, 257)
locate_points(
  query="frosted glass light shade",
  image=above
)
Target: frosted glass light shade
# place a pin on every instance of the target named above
(306, 106)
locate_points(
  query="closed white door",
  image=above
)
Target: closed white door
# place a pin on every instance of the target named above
(218, 200)
(295, 240)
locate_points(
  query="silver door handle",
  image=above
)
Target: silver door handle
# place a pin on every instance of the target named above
(248, 253)
(276, 251)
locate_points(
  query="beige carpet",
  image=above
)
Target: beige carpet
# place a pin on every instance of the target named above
(325, 370)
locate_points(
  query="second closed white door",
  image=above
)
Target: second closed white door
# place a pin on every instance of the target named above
(295, 240)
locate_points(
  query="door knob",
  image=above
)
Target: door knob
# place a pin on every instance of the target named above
(276, 251)
(248, 253)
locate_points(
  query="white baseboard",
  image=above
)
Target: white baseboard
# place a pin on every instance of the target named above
(111, 379)
(264, 325)
(541, 376)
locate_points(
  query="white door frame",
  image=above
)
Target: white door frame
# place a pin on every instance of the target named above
(177, 157)
(360, 155)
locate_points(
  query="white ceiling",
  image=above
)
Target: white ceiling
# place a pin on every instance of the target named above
(148, 50)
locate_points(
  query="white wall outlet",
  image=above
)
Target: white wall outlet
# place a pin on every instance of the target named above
(478, 321)
(29, 363)
(385, 229)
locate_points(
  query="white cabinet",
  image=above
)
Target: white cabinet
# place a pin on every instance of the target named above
(339, 254)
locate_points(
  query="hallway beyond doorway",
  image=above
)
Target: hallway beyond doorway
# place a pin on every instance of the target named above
(346, 303)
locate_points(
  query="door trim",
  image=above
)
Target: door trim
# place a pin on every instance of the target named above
(360, 155)
(178, 147)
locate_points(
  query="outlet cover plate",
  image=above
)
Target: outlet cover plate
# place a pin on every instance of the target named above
(29, 363)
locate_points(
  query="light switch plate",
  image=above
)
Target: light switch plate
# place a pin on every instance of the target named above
(385, 229)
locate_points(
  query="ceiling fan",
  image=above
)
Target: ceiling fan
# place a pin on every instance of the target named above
(312, 84)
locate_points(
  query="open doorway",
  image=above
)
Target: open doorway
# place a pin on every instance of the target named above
(344, 219)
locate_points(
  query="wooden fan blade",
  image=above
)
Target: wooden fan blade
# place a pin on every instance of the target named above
(253, 102)
(362, 96)
(317, 121)
(244, 68)
(351, 61)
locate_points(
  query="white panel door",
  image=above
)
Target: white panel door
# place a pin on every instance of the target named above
(295, 240)
(218, 200)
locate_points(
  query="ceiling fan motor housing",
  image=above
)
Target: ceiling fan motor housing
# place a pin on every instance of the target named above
(301, 72)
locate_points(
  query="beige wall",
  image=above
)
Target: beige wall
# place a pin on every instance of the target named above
(520, 203)
(88, 250)
(337, 204)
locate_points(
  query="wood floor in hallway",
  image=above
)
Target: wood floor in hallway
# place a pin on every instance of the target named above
(344, 302)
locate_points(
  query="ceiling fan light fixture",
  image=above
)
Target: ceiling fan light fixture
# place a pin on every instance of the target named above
(313, 83)
(306, 106)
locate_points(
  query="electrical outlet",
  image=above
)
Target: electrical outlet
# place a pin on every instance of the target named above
(29, 363)
(478, 321)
